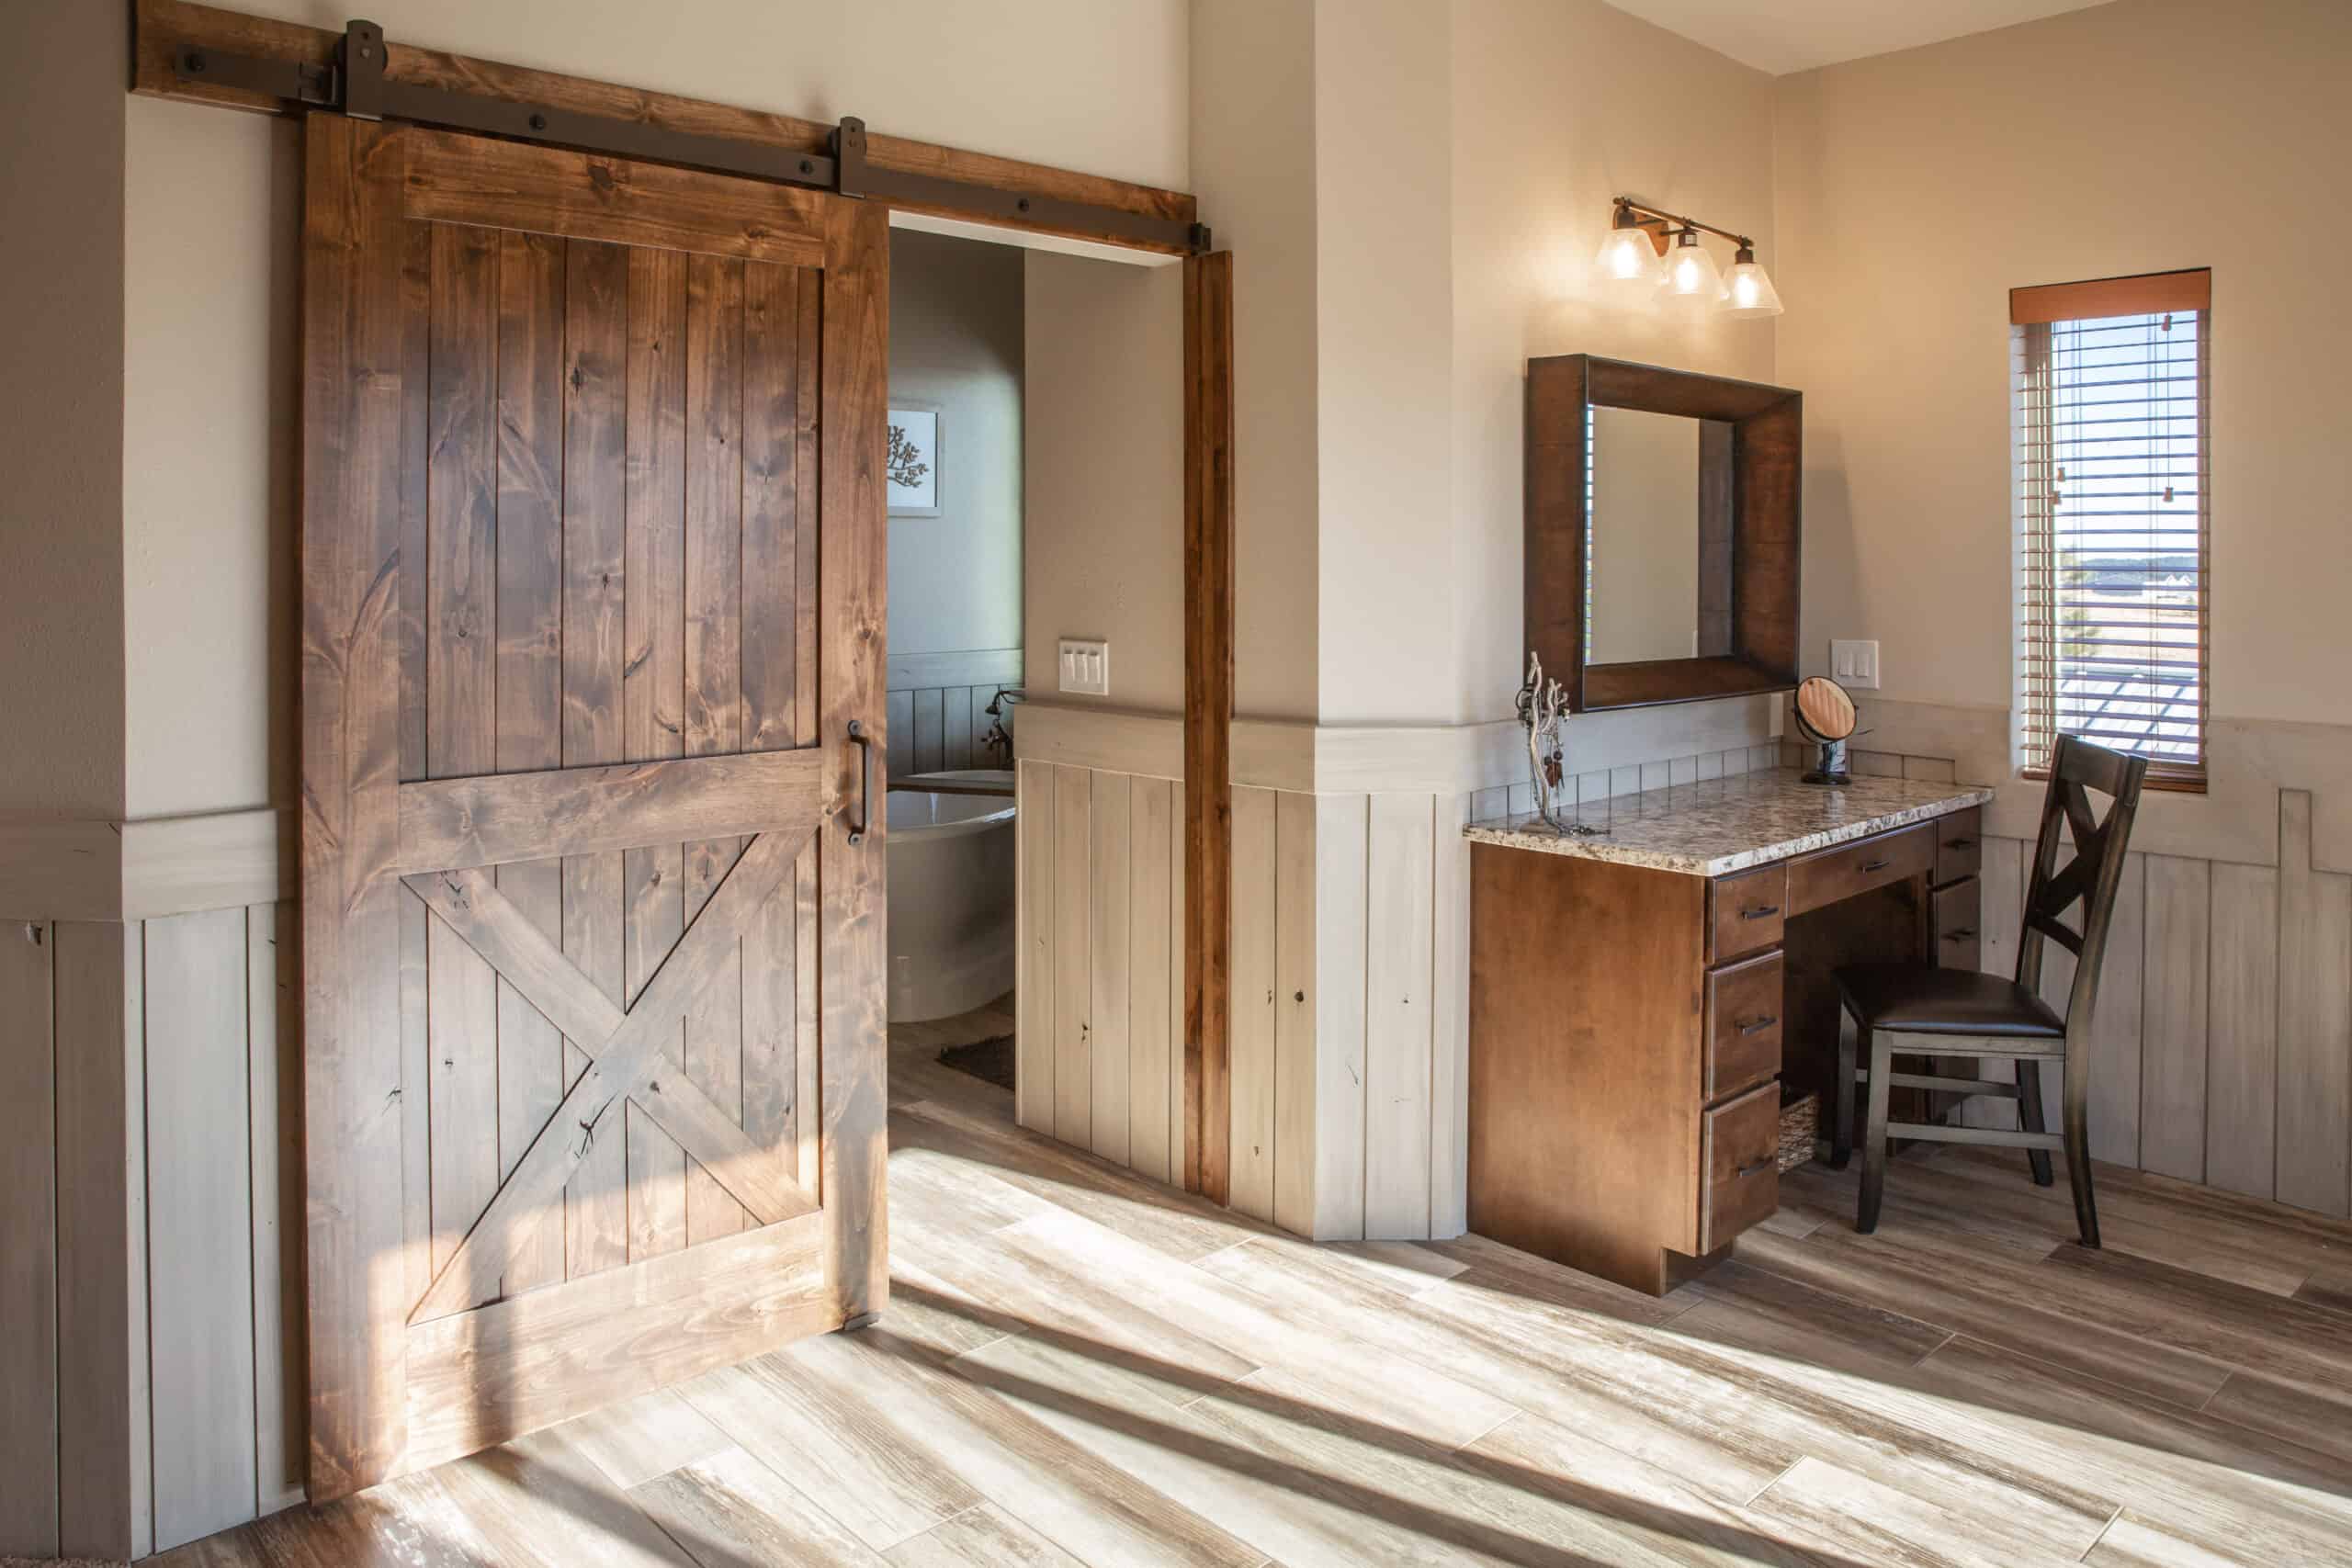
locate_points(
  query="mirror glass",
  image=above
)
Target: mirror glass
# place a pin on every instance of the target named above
(1658, 578)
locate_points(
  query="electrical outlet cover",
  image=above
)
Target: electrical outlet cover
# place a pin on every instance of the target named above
(1086, 667)
(1854, 663)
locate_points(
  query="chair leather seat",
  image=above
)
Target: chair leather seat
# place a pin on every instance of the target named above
(1916, 999)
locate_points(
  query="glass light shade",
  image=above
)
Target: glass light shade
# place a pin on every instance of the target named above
(1692, 275)
(1628, 259)
(1748, 288)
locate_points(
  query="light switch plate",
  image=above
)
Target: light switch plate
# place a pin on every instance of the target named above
(1854, 663)
(1086, 667)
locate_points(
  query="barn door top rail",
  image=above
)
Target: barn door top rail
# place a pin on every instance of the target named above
(197, 51)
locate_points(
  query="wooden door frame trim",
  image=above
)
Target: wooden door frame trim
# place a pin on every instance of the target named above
(919, 177)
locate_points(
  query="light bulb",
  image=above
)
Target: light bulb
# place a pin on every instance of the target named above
(1748, 288)
(1692, 276)
(1627, 258)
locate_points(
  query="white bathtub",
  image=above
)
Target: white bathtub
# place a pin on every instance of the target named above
(951, 895)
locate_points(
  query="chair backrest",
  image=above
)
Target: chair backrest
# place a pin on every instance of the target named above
(2090, 878)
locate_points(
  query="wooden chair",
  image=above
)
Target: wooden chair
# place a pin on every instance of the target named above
(1909, 1009)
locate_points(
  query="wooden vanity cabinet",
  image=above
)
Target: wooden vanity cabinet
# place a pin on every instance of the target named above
(1627, 1033)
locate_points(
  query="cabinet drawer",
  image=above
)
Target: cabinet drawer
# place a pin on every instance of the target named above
(1960, 844)
(1830, 875)
(1747, 911)
(1743, 1026)
(1739, 1149)
(1956, 924)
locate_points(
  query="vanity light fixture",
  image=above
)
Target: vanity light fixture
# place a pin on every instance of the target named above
(1645, 244)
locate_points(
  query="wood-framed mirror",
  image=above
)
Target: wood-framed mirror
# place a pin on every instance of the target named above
(1663, 532)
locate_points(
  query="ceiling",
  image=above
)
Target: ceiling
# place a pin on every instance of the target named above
(1781, 36)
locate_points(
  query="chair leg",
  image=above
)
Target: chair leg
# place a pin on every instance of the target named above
(1841, 1099)
(2030, 1118)
(1874, 1136)
(2076, 1111)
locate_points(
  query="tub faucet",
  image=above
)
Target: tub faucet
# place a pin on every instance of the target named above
(999, 739)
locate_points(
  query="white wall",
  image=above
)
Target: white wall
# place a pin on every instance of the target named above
(60, 436)
(2136, 136)
(1106, 432)
(955, 346)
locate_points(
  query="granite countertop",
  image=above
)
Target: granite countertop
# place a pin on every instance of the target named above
(1717, 826)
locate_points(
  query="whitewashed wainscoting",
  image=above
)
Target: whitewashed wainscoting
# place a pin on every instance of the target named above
(151, 1225)
(937, 708)
(1350, 944)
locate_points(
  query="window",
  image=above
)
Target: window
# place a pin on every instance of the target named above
(2113, 457)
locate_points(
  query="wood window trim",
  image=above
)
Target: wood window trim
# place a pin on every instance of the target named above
(2153, 293)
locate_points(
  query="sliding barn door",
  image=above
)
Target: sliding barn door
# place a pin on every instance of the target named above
(592, 945)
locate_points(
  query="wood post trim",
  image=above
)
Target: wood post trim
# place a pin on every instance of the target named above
(1208, 722)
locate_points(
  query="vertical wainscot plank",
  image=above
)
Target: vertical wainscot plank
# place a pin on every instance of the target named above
(29, 1365)
(1342, 825)
(1073, 961)
(1252, 1148)
(2172, 1046)
(1150, 844)
(2115, 1031)
(1033, 964)
(1109, 885)
(2242, 1053)
(2314, 1019)
(1297, 999)
(1450, 1020)
(1399, 979)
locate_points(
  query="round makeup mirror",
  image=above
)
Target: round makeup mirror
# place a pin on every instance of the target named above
(1825, 711)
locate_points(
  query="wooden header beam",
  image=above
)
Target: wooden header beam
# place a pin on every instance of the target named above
(166, 27)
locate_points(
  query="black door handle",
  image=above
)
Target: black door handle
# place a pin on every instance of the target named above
(1760, 1024)
(1961, 934)
(1745, 1171)
(864, 744)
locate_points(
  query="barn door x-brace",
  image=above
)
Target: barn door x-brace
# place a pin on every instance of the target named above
(355, 84)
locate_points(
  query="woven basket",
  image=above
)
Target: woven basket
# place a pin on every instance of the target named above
(1800, 1127)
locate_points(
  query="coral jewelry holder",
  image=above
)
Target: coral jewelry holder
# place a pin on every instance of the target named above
(1541, 706)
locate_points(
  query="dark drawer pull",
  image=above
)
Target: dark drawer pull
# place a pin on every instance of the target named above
(1745, 1171)
(1962, 934)
(1958, 843)
(1759, 912)
(1760, 1024)
(1870, 865)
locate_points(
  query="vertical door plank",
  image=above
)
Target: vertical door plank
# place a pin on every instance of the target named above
(1150, 841)
(931, 729)
(714, 479)
(356, 478)
(199, 1201)
(594, 644)
(807, 716)
(417, 1096)
(2115, 1031)
(2172, 1047)
(528, 658)
(28, 1262)
(1399, 974)
(2242, 1055)
(771, 959)
(654, 689)
(415, 490)
(853, 622)
(1342, 831)
(1034, 989)
(957, 704)
(99, 1221)
(1073, 964)
(1450, 1020)
(460, 721)
(899, 713)
(1109, 810)
(2314, 1019)
(1296, 1001)
(273, 1074)
(1252, 1059)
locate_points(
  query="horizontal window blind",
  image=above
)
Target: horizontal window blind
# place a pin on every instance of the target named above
(2112, 467)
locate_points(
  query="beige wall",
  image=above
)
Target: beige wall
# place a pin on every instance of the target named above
(1254, 146)
(955, 346)
(1556, 108)
(1916, 189)
(1104, 549)
(61, 434)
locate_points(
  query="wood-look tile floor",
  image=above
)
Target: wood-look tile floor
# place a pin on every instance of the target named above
(1078, 1366)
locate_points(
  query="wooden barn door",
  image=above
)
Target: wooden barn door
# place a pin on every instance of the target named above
(593, 575)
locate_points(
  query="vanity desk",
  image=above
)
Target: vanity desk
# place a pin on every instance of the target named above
(1640, 1001)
